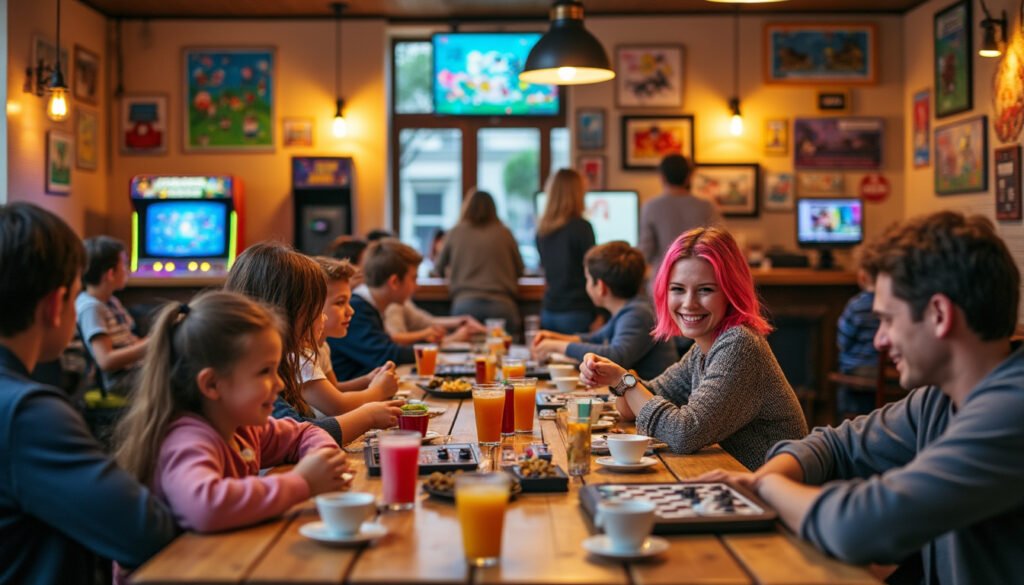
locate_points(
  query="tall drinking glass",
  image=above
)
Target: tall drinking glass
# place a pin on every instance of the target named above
(480, 502)
(513, 368)
(525, 398)
(488, 405)
(426, 358)
(399, 466)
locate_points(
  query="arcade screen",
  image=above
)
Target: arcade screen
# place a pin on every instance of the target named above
(615, 215)
(830, 222)
(186, 229)
(477, 74)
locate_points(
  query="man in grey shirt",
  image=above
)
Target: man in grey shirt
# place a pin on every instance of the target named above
(674, 212)
(939, 472)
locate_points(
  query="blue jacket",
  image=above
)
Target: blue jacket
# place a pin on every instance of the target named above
(62, 500)
(367, 344)
(626, 340)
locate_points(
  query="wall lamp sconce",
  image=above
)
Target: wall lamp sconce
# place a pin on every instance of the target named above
(993, 40)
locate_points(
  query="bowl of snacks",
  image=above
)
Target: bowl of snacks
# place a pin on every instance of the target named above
(449, 387)
(540, 475)
(441, 485)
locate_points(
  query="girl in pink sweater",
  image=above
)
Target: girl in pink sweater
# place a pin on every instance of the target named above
(199, 428)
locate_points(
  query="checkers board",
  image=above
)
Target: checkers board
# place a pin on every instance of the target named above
(450, 457)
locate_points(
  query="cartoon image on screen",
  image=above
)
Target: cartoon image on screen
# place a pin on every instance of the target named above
(186, 229)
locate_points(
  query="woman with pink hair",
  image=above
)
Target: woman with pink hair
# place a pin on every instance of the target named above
(729, 388)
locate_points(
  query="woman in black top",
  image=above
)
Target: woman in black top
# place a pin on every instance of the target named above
(563, 237)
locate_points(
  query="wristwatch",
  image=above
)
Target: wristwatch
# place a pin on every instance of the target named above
(627, 382)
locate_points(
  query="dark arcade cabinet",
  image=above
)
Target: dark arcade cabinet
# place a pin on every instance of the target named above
(322, 199)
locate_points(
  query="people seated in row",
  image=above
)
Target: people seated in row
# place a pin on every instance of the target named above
(614, 273)
(729, 388)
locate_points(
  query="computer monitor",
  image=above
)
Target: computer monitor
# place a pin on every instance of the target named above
(615, 215)
(829, 223)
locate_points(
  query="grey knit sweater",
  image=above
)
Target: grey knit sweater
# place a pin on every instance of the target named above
(736, 396)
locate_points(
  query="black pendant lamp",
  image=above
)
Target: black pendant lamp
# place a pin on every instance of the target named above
(567, 54)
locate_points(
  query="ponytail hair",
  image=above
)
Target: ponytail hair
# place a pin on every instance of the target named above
(212, 331)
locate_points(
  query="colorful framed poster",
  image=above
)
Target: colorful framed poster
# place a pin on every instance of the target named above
(86, 78)
(142, 128)
(735, 187)
(321, 172)
(649, 76)
(591, 166)
(837, 143)
(86, 139)
(809, 53)
(1008, 198)
(776, 137)
(590, 127)
(58, 162)
(229, 99)
(1008, 92)
(954, 53)
(922, 129)
(821, 184)
(297, 131)
(778, 191)
(44, 56)
(961, 164)
(647, 139)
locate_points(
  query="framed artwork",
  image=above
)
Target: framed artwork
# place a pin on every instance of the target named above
(778, 191)
(647, 139)
(648, 76)
(45, 53)
(953, 56)
(297, 131)
(735, 187)
(1008, 199)
(776, 137)
(821, 184)
(922, 129)
(86, 139)
(591, 166)
(86, 78)
(1008, 93)
(590, 129)
(58, 162)
(229, 99)
(837, 143)
(961, 164)
(142, 128)
(834, 101)
(809, 53)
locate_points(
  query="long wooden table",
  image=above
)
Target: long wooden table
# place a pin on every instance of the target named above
(541, 544)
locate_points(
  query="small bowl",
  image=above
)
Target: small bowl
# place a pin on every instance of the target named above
(566, 383)
(626, 449)
(562, 371)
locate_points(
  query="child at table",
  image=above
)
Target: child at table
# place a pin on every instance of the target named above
(614, 273)
(296, 286)
(855, 334)
(199, 428)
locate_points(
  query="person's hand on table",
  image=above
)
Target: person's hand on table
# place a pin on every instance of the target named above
(383, 415)
(432, 334)
(744, 479)
(325, 470)
(543, 350)
(544, 335)
(463, 333)
(599, 371)
(385, 381)
(472, 325)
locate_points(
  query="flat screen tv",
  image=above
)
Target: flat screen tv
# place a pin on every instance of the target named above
(829, 222)
(477, 74)
(186, 229)
(615, 215)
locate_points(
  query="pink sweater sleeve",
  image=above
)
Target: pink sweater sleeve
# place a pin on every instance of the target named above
(285, 440)
(191, 475)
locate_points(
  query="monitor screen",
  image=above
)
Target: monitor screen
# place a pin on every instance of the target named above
(477, 74)
(615, 215)
(186, 229)
(829, 222)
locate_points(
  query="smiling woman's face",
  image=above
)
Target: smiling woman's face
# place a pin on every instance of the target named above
(696, 300)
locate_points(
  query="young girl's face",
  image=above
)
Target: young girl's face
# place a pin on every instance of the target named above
(338, 309)
(696, 300)
(248, 391)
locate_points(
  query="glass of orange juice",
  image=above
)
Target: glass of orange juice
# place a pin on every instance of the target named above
(488, 405)
(524, 402)
(426, 358)
(480, 502)
(512, 368)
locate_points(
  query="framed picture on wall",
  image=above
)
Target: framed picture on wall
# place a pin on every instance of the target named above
(922, 124)
(961, 162)
(778, 191)
(834, 101)
(821, 184)
(954, 86)
(86, 139)
(810, 53)
(1008, 198)
(44, 54)
(776, 137)
(86, 78)
(647, 139)
(58, 162)
(1008, 95)
(229, 99)
(590, 128)
(297, 131)
(837, 143)
(142, 125)
(735, 187)
(649, 76)
(591, 166)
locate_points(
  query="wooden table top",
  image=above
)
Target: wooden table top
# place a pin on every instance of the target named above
(541, 544)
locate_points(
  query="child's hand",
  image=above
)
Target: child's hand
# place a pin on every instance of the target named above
(598, 371)
(323, 469)
(383, 415)
(385, 382)
(432, 334)
(544, 334)
(463, 333)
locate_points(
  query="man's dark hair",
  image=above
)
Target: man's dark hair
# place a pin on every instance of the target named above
(38, 254)
(675, 170)
(958, 256)
(102, 253)
(618, 265)
(348, 248)
(386, 258)
(378, 234)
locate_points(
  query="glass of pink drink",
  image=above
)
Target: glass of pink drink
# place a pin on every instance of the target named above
(399, 466)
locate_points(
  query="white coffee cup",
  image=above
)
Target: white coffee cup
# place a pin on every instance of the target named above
(562, 371)
(565, 383)
(627, 449)
(344, 513)
(627, 523)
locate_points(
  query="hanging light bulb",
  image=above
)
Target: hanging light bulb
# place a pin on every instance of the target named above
(57, 106)
(340, 126)
(995, 34)
(736, 122)
(567, 54)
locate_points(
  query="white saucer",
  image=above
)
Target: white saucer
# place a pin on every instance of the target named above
(318, 531)
(430, 437)
(433, 411)
(601, 545)
(611, 464)
(601, 425)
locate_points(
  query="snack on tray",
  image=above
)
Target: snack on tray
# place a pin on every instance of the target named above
(535, 468)
(445, 483)
(442, 384)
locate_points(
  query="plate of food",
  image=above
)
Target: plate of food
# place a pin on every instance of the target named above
(448, 387)
(442, 485)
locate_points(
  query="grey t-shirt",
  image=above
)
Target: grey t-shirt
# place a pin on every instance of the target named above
(666, 217)
(98, 318)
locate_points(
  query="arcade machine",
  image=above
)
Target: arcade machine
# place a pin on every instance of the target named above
(185, 226)
(322, 190)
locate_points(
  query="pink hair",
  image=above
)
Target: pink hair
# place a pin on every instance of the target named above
(718, 248)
